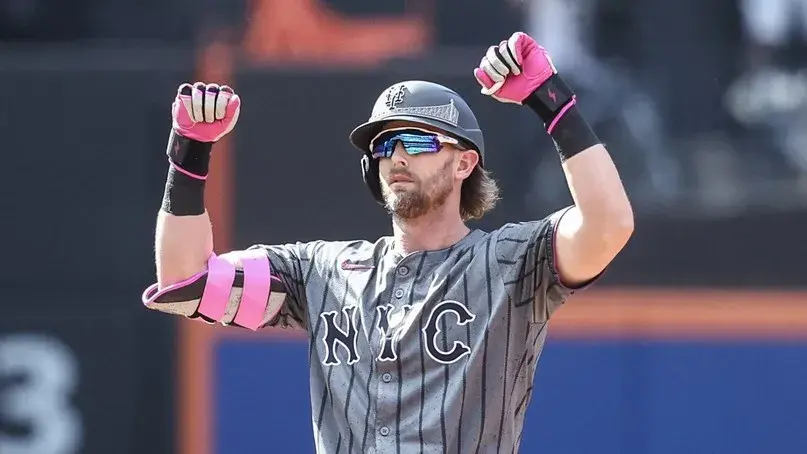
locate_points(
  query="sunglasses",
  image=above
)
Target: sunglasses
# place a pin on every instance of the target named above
(414, 141)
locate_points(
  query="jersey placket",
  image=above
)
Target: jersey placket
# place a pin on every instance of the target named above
(387, 398)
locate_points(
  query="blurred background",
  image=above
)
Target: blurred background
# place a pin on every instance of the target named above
(694, 342)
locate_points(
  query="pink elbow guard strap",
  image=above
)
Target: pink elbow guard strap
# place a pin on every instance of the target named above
(249, 297)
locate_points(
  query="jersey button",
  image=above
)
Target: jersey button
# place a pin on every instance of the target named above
(384, 431)
(403, 271)
(399, 293)
(386, 377)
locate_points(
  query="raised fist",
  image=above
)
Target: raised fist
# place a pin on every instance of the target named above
(512, 70)
(205, 112)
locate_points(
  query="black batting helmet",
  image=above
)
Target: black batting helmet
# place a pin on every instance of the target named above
(421, 102)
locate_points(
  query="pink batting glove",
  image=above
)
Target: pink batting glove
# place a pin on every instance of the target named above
(511, 71)
(205, 112)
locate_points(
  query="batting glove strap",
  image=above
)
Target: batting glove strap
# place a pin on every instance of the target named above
(185, 185)
(556, 104)
(190, 157)
(551, 100)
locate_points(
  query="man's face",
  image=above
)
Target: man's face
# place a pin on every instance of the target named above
(413, 185)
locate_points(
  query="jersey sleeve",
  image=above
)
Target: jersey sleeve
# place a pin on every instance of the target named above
(291, 264)
(526, 259)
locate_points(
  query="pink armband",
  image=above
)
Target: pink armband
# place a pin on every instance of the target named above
(249, 297)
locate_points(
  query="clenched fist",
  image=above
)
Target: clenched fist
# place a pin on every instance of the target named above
(513, 69)
(202, 114)
(205, 112)
(519, 71)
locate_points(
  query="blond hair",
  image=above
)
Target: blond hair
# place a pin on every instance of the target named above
(478, 195)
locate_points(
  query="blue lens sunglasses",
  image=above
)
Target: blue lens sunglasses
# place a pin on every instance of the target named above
(414, 141)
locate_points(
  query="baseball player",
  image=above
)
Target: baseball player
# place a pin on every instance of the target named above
(427, 340)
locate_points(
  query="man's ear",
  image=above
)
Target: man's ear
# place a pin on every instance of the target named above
(469, 159)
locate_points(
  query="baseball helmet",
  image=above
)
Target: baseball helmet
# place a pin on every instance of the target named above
(420, 102)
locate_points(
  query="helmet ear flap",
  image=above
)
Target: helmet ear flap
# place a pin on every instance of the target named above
(369, 172)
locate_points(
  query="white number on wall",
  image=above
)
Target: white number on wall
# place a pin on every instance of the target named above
(40, 399)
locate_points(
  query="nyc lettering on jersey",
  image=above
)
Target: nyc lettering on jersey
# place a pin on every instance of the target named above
(391, 326)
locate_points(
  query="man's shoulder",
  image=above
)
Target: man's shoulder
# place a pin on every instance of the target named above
(516, 230)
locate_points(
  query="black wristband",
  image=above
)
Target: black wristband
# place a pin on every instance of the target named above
(185, 186)
(572, 134)
(184, 195)
(554, 102)
(190, 155)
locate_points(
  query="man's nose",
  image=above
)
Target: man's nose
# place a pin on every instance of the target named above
(399, 156)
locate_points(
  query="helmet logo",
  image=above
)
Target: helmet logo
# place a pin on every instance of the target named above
(395, 96)
(388, 103)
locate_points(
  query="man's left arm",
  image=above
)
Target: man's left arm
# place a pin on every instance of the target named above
(591, 233)
(597, 227)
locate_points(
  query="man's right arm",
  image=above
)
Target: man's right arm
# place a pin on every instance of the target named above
(237, 288)
(182, 246)
(201, 115)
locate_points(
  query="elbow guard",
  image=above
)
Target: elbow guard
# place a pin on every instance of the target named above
(237, 288)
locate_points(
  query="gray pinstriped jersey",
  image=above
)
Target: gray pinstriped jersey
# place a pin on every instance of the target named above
(434, 352)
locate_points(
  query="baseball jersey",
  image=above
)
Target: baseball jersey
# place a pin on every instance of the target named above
(431, 352)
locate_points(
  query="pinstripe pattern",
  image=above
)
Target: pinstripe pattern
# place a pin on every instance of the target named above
(463, 328)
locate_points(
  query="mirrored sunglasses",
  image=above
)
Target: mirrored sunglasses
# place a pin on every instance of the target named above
(414, 141)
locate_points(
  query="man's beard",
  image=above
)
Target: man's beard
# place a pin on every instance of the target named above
(423, 197)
